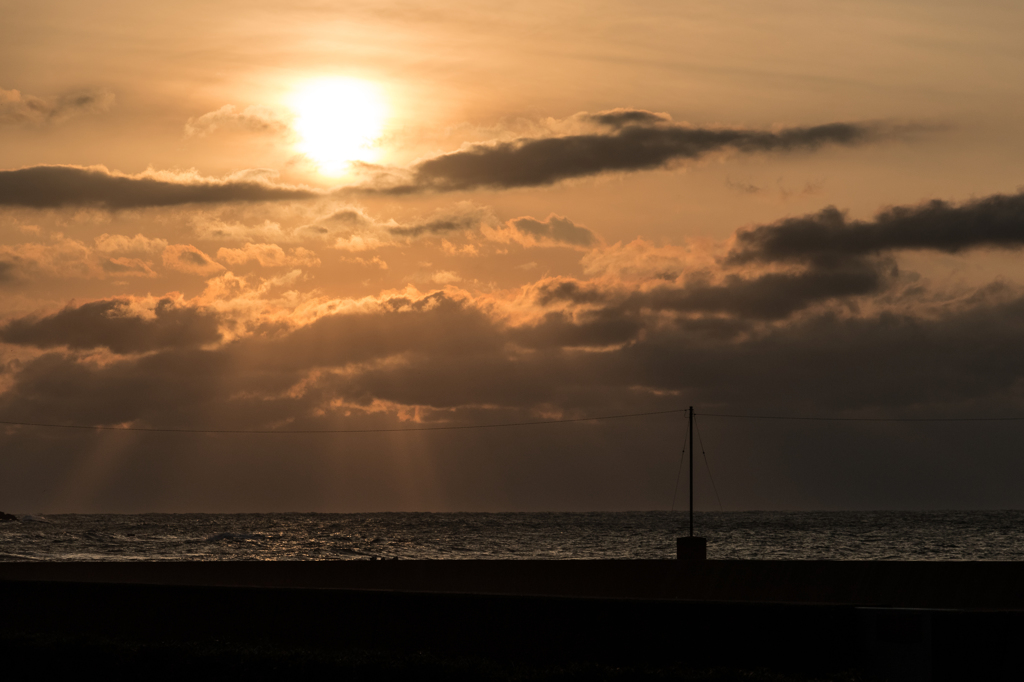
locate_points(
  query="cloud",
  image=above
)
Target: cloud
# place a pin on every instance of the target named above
(769, 296)
(62, 186)
(640, 260)
(206, 227)
(16, 107)
(135, 267)
(228, 117)
(7, 271)
(743, 187)
(637, 140)
(463, 250)
(451, 359)
(443, 225)
(828, 237)
(64, 257)
(823, 258)
(617, 118)
(647, 328)
(359, 232)
(376, 261)
(440, 352)
(554, 229)
(443, 277)
(119, 243)
(354, 230)
(116, 324)
(828, 258)
(189, 259)
(269, 255)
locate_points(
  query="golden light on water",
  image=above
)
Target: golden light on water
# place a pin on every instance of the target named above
(339, 121)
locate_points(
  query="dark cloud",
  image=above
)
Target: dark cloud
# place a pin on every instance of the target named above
(446, 361)
(828, 237)
(16, 107)
(349, 216)
(835, 259)
(617, 118)
(437, 226)
(639, 141)
(600, 328)
(111, 324)
(432, 326)
(772, 296)
(450, 354)
(187, 258)
(60, 186)
(744, 187)
(554, 228)
(727, 342)
(571, 291)
(7, 270)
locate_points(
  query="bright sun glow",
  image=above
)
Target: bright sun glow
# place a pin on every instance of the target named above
(339, 121)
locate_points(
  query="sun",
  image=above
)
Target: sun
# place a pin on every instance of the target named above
(339, 121)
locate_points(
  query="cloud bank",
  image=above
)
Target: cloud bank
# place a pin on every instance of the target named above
(826, 237)
(631, 140)
(570, 344)
(64, 186)
(116, 325)
(804, 316)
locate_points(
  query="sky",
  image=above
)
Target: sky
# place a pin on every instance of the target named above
(366, 216)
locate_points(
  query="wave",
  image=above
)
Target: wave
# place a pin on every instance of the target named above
(350, 552)
(4, 556)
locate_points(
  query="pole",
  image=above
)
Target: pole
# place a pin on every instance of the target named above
(691, 548)
(691, 471)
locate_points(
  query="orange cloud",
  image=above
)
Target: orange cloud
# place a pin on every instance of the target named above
(269, 255)
(187, 258)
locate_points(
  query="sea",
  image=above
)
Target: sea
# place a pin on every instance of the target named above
(871, 536)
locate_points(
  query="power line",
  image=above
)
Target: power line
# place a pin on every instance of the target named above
(865, 419)
(89, 427)
(708, 467)
(313, 431)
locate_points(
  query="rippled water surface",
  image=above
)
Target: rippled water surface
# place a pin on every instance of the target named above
(927, 536)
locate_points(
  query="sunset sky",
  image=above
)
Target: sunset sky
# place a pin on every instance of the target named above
(375, 215)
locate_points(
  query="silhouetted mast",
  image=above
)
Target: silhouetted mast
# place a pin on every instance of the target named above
(691, 548)
(691, 471)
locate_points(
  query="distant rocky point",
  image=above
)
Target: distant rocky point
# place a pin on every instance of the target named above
(4, 517)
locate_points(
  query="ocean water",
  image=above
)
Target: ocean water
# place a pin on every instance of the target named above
(884, 536)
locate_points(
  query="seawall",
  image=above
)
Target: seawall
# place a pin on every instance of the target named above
(933, 585)
(901, 620)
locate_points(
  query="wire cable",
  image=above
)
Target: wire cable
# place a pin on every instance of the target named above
(708, 467)
(866, 419)
(93, 427)
(313, 431)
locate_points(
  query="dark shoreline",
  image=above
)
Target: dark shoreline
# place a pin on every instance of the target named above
(942, 620)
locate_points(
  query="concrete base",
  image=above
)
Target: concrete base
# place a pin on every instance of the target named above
(692, 549)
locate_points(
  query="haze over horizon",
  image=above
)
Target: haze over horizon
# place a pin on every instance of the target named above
(377, 215)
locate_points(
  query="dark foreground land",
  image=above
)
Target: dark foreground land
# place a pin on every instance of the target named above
(516, 620)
